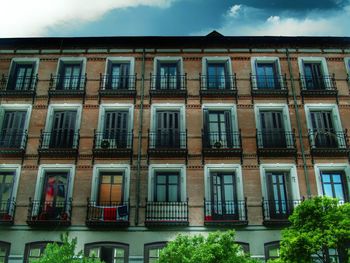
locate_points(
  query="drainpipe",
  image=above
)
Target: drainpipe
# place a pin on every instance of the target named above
(139, 144)
(306, 173)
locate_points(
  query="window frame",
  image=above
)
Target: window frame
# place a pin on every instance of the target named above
(71, 60)
(332, 167)
(268, 246)
(219, 60)
(324, 67)
(115, 107)
(130, 60)
(98, 168)
(17, 169)
(29, 245)
(149, 246)
(255, 60)
(245, 246)
(23, 60)
(154, 168)
(167, 59)
(125, 246)
(7, 246)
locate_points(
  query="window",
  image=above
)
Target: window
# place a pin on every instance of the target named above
(22, 75)
(272, 250)
(347, 66)
(266, 73)
(70, 74)
(33, 251)
(314, 73)
(245, 246)
(9, 178)
(108, 252)
(4, 251)
(168, 71)
(152, 251)
(119, 73)
(217, 73)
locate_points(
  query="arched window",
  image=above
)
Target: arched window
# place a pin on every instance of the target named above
(4, 251)
(152, 251)
(109, 252)
(34, 250)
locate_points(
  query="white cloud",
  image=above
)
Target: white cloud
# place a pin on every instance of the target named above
(34, 17)
(234, 10)
(273, 19)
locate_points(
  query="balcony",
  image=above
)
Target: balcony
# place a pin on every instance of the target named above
(68, 87)
(167, 144)
(7, 212)
(107, 214)
(322, 86)
(328, 143)
(277, 212)
(19, 87)
(228, 213)
(217, 86)
(113, 145)
(48, 214)
(59, 143)
(276, 143)
(117, 86)
(13, 144)
(173, 86)
(166, 213)
(221, 144)
(269, 86)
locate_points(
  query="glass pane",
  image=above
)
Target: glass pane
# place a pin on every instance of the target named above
(160, 193)
(161, 179)
(2, 252)
(173, 193)
(228, 193)
(173, 179)
(154, 253)
(328, 190)
(118, 179)
(106, 179)
(35, 252)
(336, 178)
(213, 117)
(228, 179)
(274, 252)
(116, 193)
(338, 189)
(326, 178)
(94, 252)
(118, 252)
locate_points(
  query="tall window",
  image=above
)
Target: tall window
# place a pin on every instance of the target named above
(217, 75)
(118, 75)
(108, 252)
(272, 250)
(22, 76)
(277, 190)
(116, 128)
(168, 75)
(334, 185)
(313, 75)
(267, 75)
(167, 187)
(6, 187)
(63, 129)
(152, 251)
(34, 251)
(12, 128)
(111, 187)
(218, 128)
(272, 129)
(4, 251)
(70, 76)
(323, 129)
(168, 129)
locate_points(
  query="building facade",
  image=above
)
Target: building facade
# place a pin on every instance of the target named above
(126, 142)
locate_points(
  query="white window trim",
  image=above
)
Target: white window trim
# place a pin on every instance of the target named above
(115, 106)
(64, 106)
(165, 60)
(284, 167)
(222, 106)
(25, 60)
(321, 60)
(255, 60)
(168, 106)
(98, 168)
(130, 60)
(218, 59)
(273, 106)
(347, 65)
(236, 168)
(331, 167)
(72, 60)
(153, 168)
(70, 168)
(17, 107)
(17, 169)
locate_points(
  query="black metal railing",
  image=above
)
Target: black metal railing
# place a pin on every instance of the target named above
(216, 211)
(7, 211)
(107, 212)
(13, 140)
(319, 83)
(66, 139)
(217, 82)
(168, 82)
(41, 212)
(278, 209)
(167, 212)
(117, 82)
(18, 83)
(221, 140)
(275, 139)
(328, 139)
(113, 140)
(61, 83)
(167, 140)
(268, 82)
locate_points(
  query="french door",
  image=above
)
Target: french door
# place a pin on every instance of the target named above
(6, 188)
(266, 76)
(334, 185)
(12, 129)
(168, 129)
(116, 128)
(63, 129)
(118, 77)
(224, 196)
(22, 77)
(324, 132)
(218, 129)
(111, 188)
(272, 129)
(277, 192)
(216, 76)
(167, 76)
(167, 187)
(314, 76)
(70, 77)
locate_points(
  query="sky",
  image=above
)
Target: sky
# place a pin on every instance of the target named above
(38, 18)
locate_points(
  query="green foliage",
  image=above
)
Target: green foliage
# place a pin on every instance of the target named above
(318, 224)
(64, 253)
(217, 247)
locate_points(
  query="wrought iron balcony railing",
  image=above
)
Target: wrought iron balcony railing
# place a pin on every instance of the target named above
(65, 140)
(167, 140)
(318, 84)
(110, 141)
(218, 83)
(275, 139)
(18, 85)
(278, 211)
(119, 86)
(7, 212)
(45, 213)
(221, 140)
(327, 139)
(114, 214)
(166, 213)
(225, 212)
(170, 83)
(268, 83)
(13, 141)
(65, 85)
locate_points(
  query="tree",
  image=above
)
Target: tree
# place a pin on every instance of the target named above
(217, 247)
(64, 253)
(318, 226)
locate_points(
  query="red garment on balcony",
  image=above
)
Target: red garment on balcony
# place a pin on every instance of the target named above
(110, 213)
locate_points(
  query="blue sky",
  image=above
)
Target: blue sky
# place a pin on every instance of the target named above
(174, 17)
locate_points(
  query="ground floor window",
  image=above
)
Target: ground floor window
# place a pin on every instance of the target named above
(33, 251)
(152, 251)
(4, 251)
(108, 252)
(272, 250)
